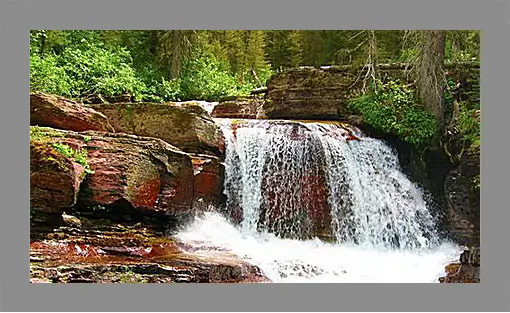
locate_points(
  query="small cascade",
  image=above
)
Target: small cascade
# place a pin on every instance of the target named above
(305, 179)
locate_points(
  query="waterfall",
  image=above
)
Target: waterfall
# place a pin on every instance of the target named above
(304, 180)
(320, 202)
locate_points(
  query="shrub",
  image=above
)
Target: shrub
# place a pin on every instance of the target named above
(392, 108)
(202, 78)
(469, 127)
(94, 69)
(47, 76)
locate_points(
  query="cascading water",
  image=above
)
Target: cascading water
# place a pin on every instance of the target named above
(289, 183)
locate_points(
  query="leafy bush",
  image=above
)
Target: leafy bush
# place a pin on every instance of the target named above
(203, 78)
(84, 69)
(47, 76)
(93, 68)
(469, 127)
(392, 108)
(76, 64)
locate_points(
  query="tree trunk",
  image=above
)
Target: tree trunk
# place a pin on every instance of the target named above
(176, 53)
(431, 74)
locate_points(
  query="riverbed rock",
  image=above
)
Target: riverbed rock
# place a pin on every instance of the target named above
(109, 253)
(58, 112)
(295, 204)
(128, 172)
(467, 270)
(185, 125)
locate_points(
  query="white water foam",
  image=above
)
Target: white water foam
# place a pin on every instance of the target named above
(313, 261)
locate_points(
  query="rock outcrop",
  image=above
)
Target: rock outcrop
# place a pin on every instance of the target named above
(55, 178)
(57, 112)
(146, 174)
(185, 125)
(463, 200)
(239, 108)
(307, 93)
(467, 270)
(208, 181)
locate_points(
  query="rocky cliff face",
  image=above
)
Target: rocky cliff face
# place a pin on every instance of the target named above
(307, 93)
(463, 200)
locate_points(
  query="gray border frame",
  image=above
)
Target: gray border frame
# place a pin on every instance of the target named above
(17, 17)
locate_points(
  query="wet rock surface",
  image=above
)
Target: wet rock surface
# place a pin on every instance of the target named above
(209, 175)
(467, 270)
(104, 252)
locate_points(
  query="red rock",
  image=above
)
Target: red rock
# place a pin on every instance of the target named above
(146, 172)
(57, 112)
(297, 208)
(54, 178)
(315, 199)
(467, 270)
(241, 108)
(208, 180)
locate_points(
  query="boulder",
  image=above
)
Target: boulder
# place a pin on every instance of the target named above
(307, 93)
(467, 270)
(127, 172)
(185, 125)
(57, 112)
(238, 108)
(54, 178)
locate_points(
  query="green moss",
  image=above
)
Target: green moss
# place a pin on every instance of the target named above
(43, 133)
(54, 153)
(46, 157)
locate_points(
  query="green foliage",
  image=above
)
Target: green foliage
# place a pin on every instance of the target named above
(392, 108)
(158, 65)
(448, 96)
(469, 127)
(79, 155)
(84, 69)
(128, 276)
(202, 78)
(93, 68)
(47, 76)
